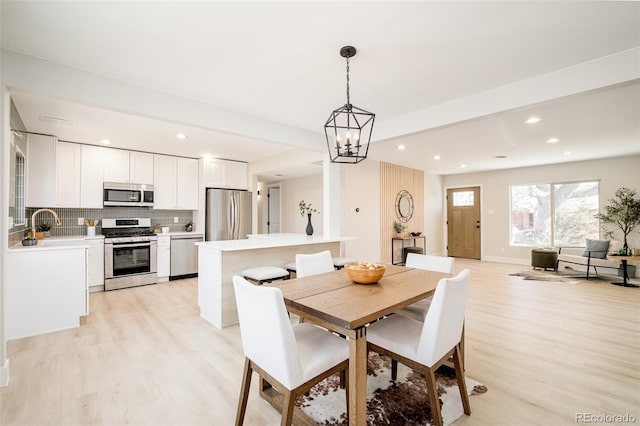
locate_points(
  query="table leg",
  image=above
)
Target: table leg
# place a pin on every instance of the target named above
(625, 276)
(358, 378)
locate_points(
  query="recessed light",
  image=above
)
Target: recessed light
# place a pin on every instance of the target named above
(500, 156)
(532, 120)
(181, 136)
(566, 153)
(105, 141)
(436, 157)
(553, 140)
(401, 147)
(463, 165)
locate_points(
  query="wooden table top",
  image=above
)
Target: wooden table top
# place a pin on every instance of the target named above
(616, 257)
(334, 298)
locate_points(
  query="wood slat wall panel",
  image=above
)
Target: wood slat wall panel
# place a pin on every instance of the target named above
(393, 179)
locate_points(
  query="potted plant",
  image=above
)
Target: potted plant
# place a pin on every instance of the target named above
(399, 228)
(623, 211)
(29, 241)
(189, 226)
(308, 210)
(42, 229)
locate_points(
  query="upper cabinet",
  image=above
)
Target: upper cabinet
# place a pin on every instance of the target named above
(91, 177)
(41, 171)
(68, 174)
(175, 183)
(127, 166)
(225, 174)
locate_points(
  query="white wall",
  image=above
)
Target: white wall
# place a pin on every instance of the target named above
(434, 203)
(293, 190)
(612, 173)
(362, 191)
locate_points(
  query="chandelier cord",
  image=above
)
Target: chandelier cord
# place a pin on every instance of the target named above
(348, 99)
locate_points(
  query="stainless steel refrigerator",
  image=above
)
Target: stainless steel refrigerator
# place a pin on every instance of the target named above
(228, 214)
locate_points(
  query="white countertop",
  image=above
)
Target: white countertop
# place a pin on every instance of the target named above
(181, 234)
(57, 243)
(260, 241)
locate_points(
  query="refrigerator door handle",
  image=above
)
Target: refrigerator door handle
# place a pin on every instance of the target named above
(236, 221)
(234, 215)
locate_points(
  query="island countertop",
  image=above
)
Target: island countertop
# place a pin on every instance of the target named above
(260, 241)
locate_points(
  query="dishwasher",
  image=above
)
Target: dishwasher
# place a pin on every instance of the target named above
(184, 256)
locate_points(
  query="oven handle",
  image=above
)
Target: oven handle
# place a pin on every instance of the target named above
(125, 245)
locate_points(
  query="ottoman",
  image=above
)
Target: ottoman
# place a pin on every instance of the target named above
(407, 250)
(545, 258)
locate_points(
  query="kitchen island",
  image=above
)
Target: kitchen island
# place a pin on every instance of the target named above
(219, 261)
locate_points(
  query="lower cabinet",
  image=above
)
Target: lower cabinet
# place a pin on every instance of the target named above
(95, 255)
(164, 257)
(45, 291)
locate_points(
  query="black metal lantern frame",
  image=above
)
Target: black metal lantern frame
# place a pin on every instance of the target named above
(348, 129)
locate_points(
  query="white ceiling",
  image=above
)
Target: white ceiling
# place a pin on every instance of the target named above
(279, 61)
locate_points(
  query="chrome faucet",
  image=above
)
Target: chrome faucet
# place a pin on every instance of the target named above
(33, 219)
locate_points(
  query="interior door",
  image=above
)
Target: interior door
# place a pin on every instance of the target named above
(273, 210)
(463, 222)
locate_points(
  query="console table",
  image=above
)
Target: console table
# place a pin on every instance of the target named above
(405, 242)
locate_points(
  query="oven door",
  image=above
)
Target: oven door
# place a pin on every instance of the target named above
(124, 259)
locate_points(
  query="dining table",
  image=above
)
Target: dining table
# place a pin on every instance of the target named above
(332, 300)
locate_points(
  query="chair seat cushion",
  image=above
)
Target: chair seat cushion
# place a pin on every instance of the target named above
(261, 273)
(416, 311)
(572, 258)
(341, 261)
(397, 333)
(319, 350)
(291, 266)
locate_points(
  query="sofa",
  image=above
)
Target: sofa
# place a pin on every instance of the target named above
(593, 255)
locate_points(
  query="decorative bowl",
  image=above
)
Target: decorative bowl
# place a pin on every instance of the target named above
(364, 275)
(29, 242)
(416, 234)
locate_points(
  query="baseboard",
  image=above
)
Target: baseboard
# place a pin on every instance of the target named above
(4, 374)
(512, 260)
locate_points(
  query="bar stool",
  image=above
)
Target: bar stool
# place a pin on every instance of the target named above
(339, 261)
(265, 274)
(291, 268)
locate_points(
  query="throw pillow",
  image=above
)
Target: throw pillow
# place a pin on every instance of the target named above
(598, 249)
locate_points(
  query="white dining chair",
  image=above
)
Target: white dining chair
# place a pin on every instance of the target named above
(424, 346)
(312, 264)
(427, 262)
(291, 358)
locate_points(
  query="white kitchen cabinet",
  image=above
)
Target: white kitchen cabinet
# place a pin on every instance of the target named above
(68, 175)
(47, 290)
(225, 174)
(116, 165)
(237, 175)
(41, 171)
(91, 177)
(95, 261)
(175, 183)
(164, 257)
(187, 184)
(141, 167)
(165, 183)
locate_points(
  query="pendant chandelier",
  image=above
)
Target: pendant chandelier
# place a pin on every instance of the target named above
(348, 129)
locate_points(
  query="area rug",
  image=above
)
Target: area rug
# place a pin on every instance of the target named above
(534, 275)
(400, 402)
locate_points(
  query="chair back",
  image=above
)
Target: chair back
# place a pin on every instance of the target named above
(267, 335)
(442, 328)
(430, 263)
(312, 264)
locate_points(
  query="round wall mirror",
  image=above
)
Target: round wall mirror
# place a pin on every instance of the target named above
(404, 206)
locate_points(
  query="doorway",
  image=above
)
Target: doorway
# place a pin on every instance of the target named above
(463, 222)
(271, 210)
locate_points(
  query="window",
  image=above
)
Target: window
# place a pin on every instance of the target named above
(19, 190)
(463, 198)
(554, 214)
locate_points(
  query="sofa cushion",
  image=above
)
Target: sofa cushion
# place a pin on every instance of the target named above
(597, 248)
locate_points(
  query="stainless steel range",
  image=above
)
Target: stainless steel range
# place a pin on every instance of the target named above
(130, 253)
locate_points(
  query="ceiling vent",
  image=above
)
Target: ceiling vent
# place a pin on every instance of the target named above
(55, 120)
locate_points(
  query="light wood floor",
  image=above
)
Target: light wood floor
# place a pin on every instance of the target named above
(546, 351)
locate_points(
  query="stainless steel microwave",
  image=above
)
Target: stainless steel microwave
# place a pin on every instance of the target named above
(127, 194)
